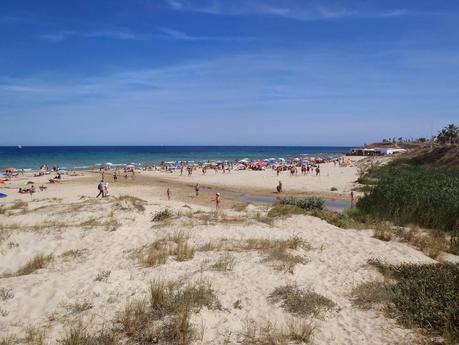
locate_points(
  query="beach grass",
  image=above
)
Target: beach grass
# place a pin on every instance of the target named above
(129, 202)
(165, 316)
(414, 194)
(308, 203)
(299, 302)
(79, 335)
(224, 263)
(296, 331)
(416, 295)
(162, 216)
(38, 262)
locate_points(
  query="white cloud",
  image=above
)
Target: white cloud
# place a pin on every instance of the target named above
(172, 34)
(60, 36)
(293, 9)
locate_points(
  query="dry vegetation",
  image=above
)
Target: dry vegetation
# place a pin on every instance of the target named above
(165, 316)
(416, 296)
(299, 302)
(224, 263)
(38, 262)
(6, 294)
(102, 276)
(78, 307)
(162, 216)
(157, 252)
(73, 253)
(296, 331)
(129, 203)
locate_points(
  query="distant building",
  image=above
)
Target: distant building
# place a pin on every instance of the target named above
(377, 151)
(384, 151)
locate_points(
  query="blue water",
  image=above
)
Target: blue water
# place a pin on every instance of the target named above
(83, 157)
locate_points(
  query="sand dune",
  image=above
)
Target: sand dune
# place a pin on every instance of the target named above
(102, 274)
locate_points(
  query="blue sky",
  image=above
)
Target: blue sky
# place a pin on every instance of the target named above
(226, 72)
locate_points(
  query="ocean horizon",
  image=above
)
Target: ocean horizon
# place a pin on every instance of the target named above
(87, 157)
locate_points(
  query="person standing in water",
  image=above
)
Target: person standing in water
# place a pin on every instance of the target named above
(196, 189)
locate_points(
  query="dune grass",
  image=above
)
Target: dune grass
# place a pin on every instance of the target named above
(162, 216)
(417, 295)
(299, 302)
(308, 203)
(414, 194)
(78, 335)
(78, 307)
(6, 294)
(128, 202)
(295, 332)
(40, 261)
(182, 251)
(224, 263)
(281, 210)
(165, 316)
(102, 276)
(19, 205)
(8, 340)
(157, 252)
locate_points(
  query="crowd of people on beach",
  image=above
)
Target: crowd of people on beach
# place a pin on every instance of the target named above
(294, 167)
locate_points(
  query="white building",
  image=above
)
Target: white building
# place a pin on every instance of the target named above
(384, 151)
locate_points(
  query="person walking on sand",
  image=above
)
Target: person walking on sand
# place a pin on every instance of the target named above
(196, 189)
(105, 189)
(168, 192)
(217, 201)
(115, 176)
(100, 187)
(279, 187)
(317, 171)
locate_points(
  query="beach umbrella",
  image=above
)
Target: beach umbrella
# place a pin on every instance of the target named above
(30, 182)
(3, 195)
(10, 169)
(130, 166)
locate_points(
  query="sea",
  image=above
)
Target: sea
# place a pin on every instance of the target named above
(87, 157)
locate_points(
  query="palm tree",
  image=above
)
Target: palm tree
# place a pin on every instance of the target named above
(449, 135)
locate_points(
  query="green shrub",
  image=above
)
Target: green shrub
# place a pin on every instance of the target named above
(421, 296)
(310, 203)
(414, 194)
(284, 210)
(300, 302)
(162, 216)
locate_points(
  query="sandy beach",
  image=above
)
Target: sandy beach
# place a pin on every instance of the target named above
(92, 273)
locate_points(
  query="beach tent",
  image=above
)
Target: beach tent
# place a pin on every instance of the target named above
(3, 195)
